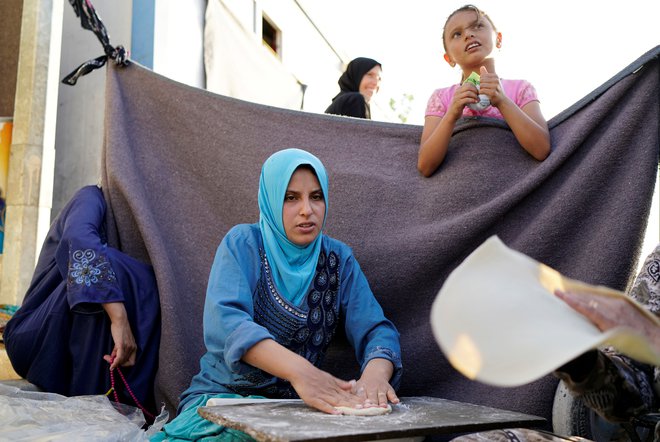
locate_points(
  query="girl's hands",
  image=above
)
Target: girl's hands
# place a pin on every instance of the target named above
(324, 392)
(490, 86)
(125, 348)
(466, 94)
(374, 386)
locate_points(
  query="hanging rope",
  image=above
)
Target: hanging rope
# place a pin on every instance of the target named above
(90, 20)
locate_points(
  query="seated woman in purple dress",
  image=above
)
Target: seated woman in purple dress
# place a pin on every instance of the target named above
(89, 309)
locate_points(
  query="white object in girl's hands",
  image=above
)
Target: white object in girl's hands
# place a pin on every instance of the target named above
(484, 101)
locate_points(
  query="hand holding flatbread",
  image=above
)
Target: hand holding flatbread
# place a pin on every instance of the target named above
(498, 321)
(608, 312)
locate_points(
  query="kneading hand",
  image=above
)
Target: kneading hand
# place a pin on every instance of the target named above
(315, 387)
(374, 384)
(324, 392)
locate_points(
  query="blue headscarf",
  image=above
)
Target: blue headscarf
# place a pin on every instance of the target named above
(292, 266)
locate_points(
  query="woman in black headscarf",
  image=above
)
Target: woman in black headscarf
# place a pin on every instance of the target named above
(358, 84)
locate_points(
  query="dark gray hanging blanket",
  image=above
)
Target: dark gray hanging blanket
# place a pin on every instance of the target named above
(181, 166)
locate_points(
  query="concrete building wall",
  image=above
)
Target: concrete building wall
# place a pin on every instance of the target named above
(306, 53)
(303, 50)
(179, 40)
(31, 159)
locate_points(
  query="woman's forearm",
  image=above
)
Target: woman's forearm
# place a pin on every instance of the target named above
(275, 359)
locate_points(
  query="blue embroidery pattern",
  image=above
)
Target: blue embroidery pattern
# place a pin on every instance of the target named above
(306, 329)
(85, 268)
(83, 271)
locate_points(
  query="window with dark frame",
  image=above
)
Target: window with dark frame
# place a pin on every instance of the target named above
(270, 35)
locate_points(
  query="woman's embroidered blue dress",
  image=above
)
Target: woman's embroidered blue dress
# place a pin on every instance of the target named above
(58, 337)
(244, 307)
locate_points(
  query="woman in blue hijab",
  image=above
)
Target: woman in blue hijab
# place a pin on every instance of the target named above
(276, 293)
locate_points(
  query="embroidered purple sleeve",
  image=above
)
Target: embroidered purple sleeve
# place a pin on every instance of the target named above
(91, 278)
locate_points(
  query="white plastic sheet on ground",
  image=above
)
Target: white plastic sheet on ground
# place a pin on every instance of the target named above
(36, 416)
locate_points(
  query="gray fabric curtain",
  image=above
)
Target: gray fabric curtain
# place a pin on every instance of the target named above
(181, 166)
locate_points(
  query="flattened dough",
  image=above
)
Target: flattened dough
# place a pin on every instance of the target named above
(370, 411)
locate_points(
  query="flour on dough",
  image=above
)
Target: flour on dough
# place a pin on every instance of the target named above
(370, 411)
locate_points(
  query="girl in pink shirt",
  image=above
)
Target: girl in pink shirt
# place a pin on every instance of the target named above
(469, 37)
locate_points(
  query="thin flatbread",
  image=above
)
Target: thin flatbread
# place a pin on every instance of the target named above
(497, 320)
(368, 411)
